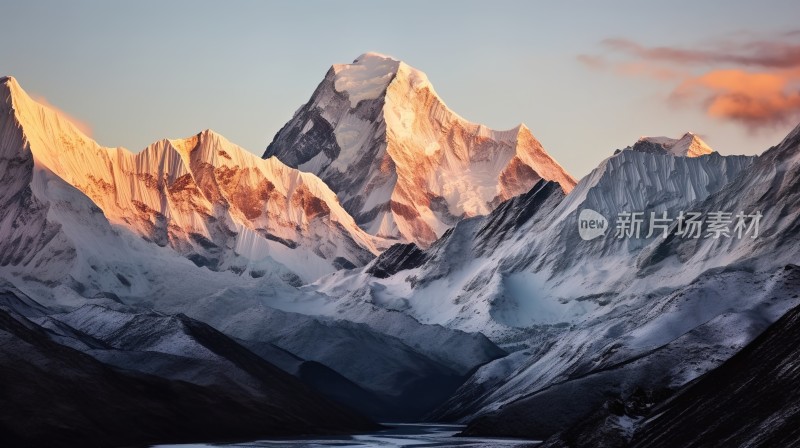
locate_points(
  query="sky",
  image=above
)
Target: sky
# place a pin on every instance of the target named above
(586, 77)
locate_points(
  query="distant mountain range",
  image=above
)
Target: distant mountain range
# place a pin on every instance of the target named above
(385, 260)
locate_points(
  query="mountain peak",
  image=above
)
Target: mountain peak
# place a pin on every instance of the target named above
(791, 136)
(522, 130)
(42, 122)
(366, 78)
(400, 161)
(186, 145)
(210, 134)
(688, 145)
(373, 55)
(11, 89)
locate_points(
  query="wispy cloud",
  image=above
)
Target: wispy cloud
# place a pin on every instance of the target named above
(82, 126)
(649, 70)
(754, 53)
(757, 100)
(753, 81)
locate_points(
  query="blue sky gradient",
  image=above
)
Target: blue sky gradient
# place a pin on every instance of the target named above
(141, 71)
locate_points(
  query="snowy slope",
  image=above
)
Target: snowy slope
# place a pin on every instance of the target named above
(387, 353)
(177, 347)
(517, 266)
(584, 311)
(660, 341)
(173, 347)
(751, 400)
(199, 227)
(402, 163)
(683, 307)
(206, 198)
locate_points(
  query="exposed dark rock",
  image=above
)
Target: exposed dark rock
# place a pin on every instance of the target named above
(750, 400)
(398, 257)
(513, 213)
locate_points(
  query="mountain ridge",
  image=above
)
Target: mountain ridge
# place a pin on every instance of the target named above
(270, 257)
(217, 204)
(167, 229)
(688, 145)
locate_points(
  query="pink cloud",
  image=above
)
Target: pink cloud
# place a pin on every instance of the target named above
(757, 100)
(764, 53)
(754, 81)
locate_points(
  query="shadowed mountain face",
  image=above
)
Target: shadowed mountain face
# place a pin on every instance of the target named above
(750, 400)
(53, 395)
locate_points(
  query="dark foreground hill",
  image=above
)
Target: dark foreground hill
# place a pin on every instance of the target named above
(52, 395)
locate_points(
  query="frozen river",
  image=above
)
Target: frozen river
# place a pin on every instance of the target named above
(398, 435)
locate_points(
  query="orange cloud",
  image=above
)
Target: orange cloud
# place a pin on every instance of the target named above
(82, 126)
(639, 68)
(752, 81)
(756, 100)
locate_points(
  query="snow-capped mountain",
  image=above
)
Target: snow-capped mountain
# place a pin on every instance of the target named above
(583, 311)
(50, 230)
(196, 263)
(203, 196)
(685, 307)
(689, 145)
(769, 187)
(404, 165)
(200, 227)
(517, 266)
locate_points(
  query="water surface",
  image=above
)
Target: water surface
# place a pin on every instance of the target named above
(398, 435)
